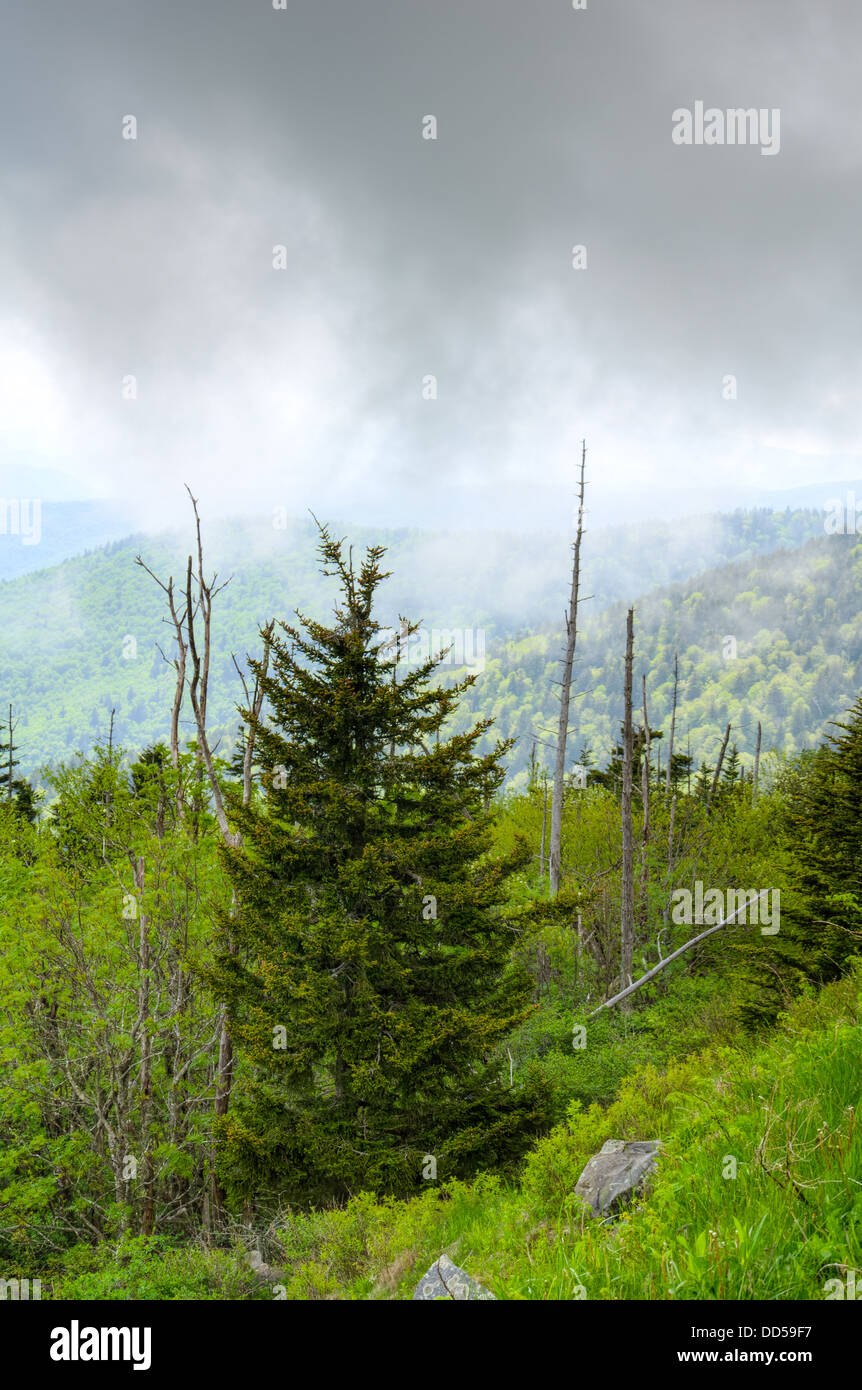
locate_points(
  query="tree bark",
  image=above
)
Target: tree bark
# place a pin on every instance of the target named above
(565, 694)
(645, 797)
(668, 783)
(627, 925)
(645, 979)
(11, 763)
(717, 772)
(147, 1203)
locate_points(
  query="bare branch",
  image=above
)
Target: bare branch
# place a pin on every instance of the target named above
(609, 1003)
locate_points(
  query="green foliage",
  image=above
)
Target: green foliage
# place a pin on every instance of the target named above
(68, 671)
(78, 1004)
(140, 1269)
(366, 966)
(798, 658)
(400, 985)
(572, 948)
(787, 1221)
(821, 925)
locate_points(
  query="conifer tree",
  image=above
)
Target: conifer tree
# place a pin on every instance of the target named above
(15, 792)
(8, 761)
(612, 776)
(369, 982)
(585, 758)
(821, 921)
(680, 769)
(731, 772)
(703, 783)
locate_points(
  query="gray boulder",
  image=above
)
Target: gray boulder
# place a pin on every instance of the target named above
(445, 1280)
(612, 1176)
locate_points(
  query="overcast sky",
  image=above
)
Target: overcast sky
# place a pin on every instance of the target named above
(408, 257)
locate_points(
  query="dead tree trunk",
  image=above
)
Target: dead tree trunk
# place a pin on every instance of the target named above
(627, 924)
(566, 692)
(717, 772)
(178, 622)
(668, 783)
(11, 761)
(147, 1175)
(199, 595)
(254, 705)
(756, 763)
(650, 974)
(645, 797)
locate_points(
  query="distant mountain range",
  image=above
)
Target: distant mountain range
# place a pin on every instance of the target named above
(81, 638)
(71, 524)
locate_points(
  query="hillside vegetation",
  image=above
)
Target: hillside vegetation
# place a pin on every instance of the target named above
(320, 1001)
(94, 645)
(757, 1197)
(775, 640)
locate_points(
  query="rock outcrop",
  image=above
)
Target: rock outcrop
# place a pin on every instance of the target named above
(446, 1280)
(616, 1173)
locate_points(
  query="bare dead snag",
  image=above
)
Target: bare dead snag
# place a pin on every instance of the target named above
(177, 621)
(254, 704)
(668, 783)
(147, 1174)
(193, 632)
(645, 797)
(627, 922)
(544, 823)
(717, 772)
(199, 651)
(566, 692)
(695, 940)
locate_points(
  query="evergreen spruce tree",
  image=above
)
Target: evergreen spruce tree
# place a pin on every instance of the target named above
(16, 793)
(703, 783)
(367, 966)
(236, 763)
(8, 761)
(680, 770)
(612, 776)
(24, 799)
(730, 774)
(586, 760)
(821, 919)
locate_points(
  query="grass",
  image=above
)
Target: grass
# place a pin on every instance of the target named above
(758, 1196)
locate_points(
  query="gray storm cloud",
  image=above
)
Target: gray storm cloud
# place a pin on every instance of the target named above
(408, 258)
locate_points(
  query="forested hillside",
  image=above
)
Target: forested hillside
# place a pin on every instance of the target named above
(294, 1026)
(93, 646)
(777, 640)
